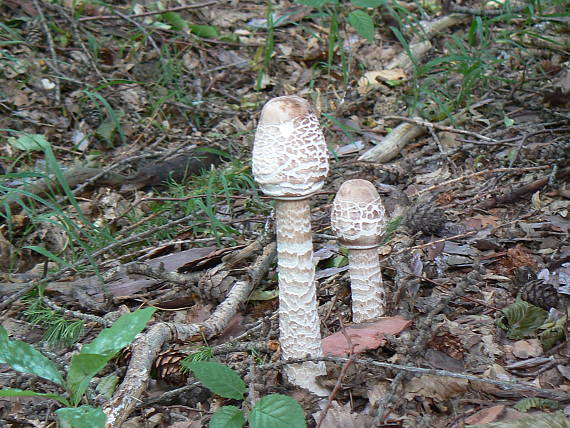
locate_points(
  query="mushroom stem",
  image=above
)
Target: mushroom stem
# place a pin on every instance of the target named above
(357, 218)
(368, 299)
(298, 317)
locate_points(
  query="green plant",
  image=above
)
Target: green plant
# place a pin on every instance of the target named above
(201, 195)
(44, 207)
(59, 331)
(91, 359)
(274, 410)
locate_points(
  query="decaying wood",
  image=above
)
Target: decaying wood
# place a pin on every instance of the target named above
(393, 143)
(396, 140)
(520, 192)
(147, 347)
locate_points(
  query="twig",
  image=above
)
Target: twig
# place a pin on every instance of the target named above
(158, 12)
(432, 125)
(477, 174)
(341, 375)
(51, 48)
(521, 191)
(518, 386)
(146, 348)
(76, 314)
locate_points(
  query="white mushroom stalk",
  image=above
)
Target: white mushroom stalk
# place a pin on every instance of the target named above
(290, 163)
(357, 219)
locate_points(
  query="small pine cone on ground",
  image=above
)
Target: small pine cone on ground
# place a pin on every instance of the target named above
(425, 218)
(33, 32)
(167, 367)
(539, 293)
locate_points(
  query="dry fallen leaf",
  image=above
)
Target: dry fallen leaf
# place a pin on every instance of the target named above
(372, 79)
(485, 416)
(364, 336)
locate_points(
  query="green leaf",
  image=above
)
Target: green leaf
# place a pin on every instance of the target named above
(81, 417)
(206, 31)
(107, 385)
(218, 378)
(314, 3)
(522, 319)
(263, 295)
(277, 411)
(24, 358)
(368, 3)
(362, 23)
(175, 20)
(14, 392)
(30, 142)
(120, 334)
(81, 370)
(227, 417)
(526, 404)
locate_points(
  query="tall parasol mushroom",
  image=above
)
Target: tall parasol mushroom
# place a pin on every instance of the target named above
(357, 219)
(290, 163)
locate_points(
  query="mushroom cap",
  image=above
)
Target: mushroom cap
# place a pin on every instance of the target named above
(290, 155)
(357, 216)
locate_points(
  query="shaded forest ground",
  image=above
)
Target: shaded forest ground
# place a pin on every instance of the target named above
(127, 131)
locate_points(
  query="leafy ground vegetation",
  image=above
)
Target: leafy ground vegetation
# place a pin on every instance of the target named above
(128, 206)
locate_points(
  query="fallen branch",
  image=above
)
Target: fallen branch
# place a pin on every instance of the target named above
(518, 193)
(147, 347)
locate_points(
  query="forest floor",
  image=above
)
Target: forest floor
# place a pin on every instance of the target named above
(127, 130)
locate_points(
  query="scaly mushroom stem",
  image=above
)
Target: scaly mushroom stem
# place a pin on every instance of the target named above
(368, 297)
(357, 218)
(298, 317)
(290, 163)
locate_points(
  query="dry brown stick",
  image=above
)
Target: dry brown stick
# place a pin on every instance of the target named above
(51, 48)
(341, 376)
(158, 12)
(437, 126)
(519, 192)
(147, 347)
(477, 174)
(518, 386)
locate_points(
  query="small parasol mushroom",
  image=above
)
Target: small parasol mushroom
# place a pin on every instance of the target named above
(290, 163)
(357, 219)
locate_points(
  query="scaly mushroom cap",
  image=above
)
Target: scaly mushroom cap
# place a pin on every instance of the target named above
(290, 157)
(357, 216)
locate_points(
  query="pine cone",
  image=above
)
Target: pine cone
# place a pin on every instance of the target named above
(93, 117)
(167, 367)
(541, 294)
(555, 152)
(425, 218)
(34, 32)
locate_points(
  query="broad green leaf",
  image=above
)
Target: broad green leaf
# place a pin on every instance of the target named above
(30, 142)
(227, 417)
(14, 392)
(206, 31)
(368, 3)
(522, 319)
(81, 417)
(107, 385)
(263, 294)
(175, 20)
(24, 358)
(218, 378)
(277, 411)
(362, 23)
(120, 334)
(526, 404)
(81, 370)
(314, 3)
